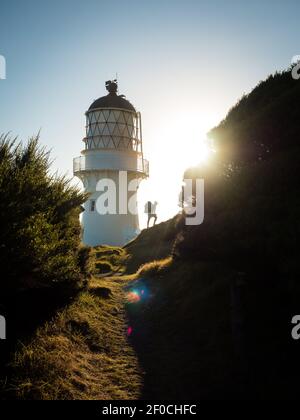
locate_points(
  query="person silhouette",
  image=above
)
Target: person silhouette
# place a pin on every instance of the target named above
(150, 209)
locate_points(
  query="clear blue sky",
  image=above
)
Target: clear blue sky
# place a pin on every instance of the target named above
(189, 59)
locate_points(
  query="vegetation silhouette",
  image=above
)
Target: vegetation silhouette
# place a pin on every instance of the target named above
(219, 323)
(42, 261)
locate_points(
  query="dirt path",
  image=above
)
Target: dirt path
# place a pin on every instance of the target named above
(84, 352)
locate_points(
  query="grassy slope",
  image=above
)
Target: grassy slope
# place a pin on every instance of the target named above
(152, 244)
(181, 341)
(182, 331)
(83, 353)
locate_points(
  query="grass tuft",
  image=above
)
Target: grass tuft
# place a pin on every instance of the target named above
(83, 353)
(155, 267)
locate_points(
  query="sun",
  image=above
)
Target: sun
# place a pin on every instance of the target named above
(180, 143)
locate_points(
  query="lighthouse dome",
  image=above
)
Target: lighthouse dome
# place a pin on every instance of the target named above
(112, 100)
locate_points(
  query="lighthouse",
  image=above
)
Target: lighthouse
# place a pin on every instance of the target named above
(111, 167)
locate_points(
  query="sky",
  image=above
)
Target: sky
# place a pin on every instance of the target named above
(182, 64)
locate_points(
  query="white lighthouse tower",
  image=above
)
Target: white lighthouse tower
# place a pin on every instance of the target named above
(113, 154)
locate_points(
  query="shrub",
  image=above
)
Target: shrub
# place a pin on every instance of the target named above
(40, 234)
(262, 124)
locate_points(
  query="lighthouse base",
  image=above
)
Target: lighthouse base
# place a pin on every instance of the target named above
(109, 229)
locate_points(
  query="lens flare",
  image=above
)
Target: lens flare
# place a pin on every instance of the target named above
(138, 294)
(133, 296)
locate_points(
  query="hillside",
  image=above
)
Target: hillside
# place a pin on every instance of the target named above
(83, 352)
(219, 321)
(262, 124)
(133, 336)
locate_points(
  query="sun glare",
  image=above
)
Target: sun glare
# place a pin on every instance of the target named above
(181, 143)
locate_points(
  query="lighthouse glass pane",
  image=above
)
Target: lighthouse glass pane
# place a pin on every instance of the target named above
(91, 130)
(111, 117)
(88, 131)
(106, 114)
(111, 127)
(96, 115)
(130, 130)
(127, 117)
(121, 118)
(101, 117)
(116, 131)
(130, 118)
(105, 130)
(122, 129)
(96, 130)
(116, 115)
(100, 128)
(110, 143)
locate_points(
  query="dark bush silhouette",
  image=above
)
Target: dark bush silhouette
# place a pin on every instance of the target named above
(40, 230)
(262, 124)
(251, 227)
